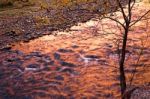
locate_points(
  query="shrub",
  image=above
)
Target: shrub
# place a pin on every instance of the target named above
(16, 3)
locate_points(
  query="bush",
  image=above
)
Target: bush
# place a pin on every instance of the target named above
(4, 3)
(15, 3)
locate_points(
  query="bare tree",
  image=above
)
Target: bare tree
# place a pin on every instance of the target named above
(127, 23)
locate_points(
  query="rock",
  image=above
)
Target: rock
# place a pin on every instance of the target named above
(26, 40)
(14, 65)
(26, 57)
(6, 48)
(75, 46)
(19, 52)
(11, 33)
(57, 56)
(59, 77)
(38, 54)
(28, 37)
(31, 69)
(49, 63)
(53, 83)
(46, 69)
(102, 62)
(92, 56)
(67, 64)
(108, 45)
(13, 59)
(69, 70)
(5, 63)
(33, 66)
(46, 59)
(65, 50)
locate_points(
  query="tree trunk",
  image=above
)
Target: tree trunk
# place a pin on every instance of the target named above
(121, 64)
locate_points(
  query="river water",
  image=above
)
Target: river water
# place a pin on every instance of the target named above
(81, 63)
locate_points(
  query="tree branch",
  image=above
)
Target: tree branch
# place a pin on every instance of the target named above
(134, 22)
(123, 13)
(116, 21)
